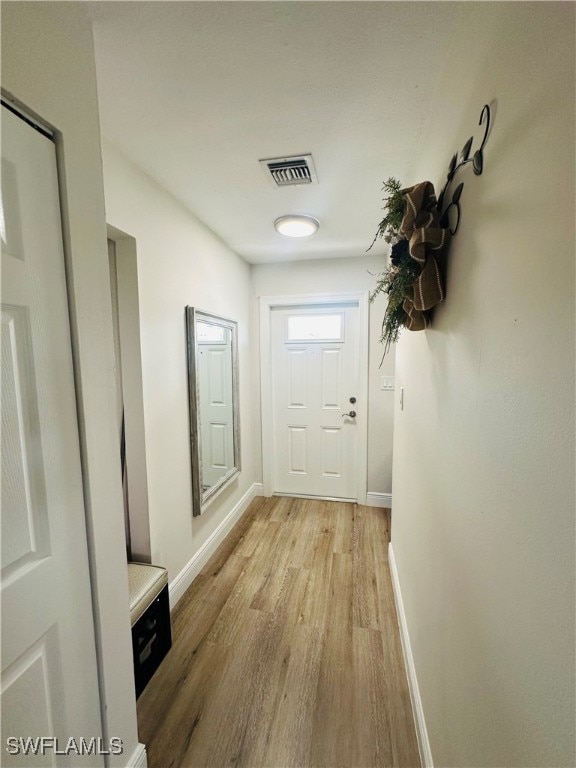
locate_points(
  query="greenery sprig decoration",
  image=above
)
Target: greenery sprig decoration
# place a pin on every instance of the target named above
(396, 281)
(394, 207)
(419, 235)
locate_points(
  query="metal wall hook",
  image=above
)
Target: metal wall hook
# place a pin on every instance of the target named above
(477, 161)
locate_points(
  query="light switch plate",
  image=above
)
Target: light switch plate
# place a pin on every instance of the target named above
(387, 383)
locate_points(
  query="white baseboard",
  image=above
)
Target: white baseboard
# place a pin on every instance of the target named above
(417, 709)
(138, 758)
(187, 575)
(379, 500)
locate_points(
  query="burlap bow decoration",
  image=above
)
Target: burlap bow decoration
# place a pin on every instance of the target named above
(427, 240)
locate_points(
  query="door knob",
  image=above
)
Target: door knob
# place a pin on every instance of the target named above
(352, 414)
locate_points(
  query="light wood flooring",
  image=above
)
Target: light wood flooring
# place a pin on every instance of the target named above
(286, 651)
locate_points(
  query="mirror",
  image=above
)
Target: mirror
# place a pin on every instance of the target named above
(213, 392)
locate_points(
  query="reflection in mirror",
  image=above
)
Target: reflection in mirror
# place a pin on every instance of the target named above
(214, 364)
(213, 391)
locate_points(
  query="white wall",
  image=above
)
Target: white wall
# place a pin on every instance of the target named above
(483, 524)
(341, 275)
(180, 262)
(48, 64)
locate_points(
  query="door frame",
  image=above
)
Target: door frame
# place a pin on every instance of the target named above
(267, 304)
(132, 391)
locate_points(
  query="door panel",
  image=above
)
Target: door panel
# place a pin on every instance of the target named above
(314, 444)
(218, 446)
(49, 683)
(25, 535)
(32, 696)
(297, 453)
(331, 378)
(331, 453)
(297, 378)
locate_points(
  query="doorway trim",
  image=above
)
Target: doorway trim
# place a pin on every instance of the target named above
(126, 266)
(267, 304)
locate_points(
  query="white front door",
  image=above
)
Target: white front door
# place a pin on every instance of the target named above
(315, 366)
(49, 685)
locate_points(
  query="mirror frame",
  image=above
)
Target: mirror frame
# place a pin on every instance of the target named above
(200, 500)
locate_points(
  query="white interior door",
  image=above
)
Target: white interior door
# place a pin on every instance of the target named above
(315, 367)
(49, 683)
(216, 411)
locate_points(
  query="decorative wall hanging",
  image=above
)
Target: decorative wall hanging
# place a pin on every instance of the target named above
(418, 227)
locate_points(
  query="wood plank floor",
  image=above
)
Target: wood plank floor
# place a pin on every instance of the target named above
(286, 651)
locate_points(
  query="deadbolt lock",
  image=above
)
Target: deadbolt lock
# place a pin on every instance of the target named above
(352, 400)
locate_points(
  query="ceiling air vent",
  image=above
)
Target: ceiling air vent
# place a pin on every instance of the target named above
(290, 171)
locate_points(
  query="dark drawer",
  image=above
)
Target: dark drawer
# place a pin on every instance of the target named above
(151, 640)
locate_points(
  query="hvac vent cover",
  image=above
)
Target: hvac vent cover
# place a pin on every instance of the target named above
(290, 171)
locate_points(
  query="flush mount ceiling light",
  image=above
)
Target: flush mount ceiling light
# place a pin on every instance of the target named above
(296, 226)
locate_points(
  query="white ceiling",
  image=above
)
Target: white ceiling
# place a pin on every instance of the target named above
(196, 93)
